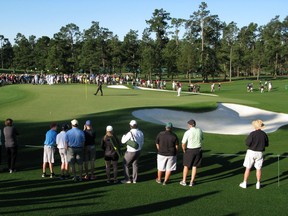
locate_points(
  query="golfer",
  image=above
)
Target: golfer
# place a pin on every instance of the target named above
(192, 148)
(167, 146)
(256, 142)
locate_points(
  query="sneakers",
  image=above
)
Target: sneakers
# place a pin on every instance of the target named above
(44, 175)
(191, 184)
(258, 185)
(52, 175)
(243, 185)
(158, 181)
(126, 182)
(86, 177)
(183, 183)
(164, 183)
(92, 177)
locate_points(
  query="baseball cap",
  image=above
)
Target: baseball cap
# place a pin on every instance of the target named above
(74, 122)
(169, 125)
(88, 122)
(109, 128)
(191, 122)
(133, 122)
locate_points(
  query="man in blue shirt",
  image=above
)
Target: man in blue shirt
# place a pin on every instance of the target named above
(75, 139)
(49, 144)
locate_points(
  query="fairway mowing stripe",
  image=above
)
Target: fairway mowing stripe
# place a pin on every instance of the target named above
(33, 146)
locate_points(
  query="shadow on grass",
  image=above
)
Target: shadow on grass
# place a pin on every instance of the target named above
(152, 207)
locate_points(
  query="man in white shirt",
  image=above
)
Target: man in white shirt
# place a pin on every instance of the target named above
(132, 155)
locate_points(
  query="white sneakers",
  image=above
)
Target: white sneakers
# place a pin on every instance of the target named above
(244, 185)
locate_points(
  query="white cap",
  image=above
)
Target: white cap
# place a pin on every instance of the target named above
(109, 128)
(74, 122)
(133, 122)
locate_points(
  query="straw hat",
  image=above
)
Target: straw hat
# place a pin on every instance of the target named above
(258, 124)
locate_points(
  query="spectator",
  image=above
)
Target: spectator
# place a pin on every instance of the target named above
(167, 146)
(11, 144)
(256, 142)
(132, 155)
(89, 150)
(61, 145)
(192, 148)
(75, 139)
(111, 146)
(49, 149)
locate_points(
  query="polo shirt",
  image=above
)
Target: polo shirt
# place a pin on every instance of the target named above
(167, 143)
(50, 138)
(193, 137)
(75, 138)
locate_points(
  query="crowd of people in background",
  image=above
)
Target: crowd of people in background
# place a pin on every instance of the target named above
(50, 79)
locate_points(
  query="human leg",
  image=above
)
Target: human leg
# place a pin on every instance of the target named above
(167, 175)
(193, 174)
(128, 157)
(115, 170)
(108, 164)
(135, 166)
(8, 153)
(185, 173)
(159, 176)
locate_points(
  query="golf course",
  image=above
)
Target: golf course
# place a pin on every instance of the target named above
(216, 192)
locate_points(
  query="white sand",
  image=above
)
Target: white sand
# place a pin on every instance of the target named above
(228, 118)
(117, 86)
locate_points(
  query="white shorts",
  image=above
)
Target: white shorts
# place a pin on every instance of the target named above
(253, 157)
(63, 155)
(48, 156)
(166, 163)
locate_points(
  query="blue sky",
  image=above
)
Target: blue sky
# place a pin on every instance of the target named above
(46, 17)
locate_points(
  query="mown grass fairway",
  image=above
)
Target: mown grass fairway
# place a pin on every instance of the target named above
(216, 192)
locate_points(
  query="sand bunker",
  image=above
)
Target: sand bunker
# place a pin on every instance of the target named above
(228, 118)
(117, 86)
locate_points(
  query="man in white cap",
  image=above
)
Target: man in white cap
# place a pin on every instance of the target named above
(256, 143)
(75, 142)
(132, 155)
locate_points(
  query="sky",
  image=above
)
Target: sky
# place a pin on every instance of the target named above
(46, 17)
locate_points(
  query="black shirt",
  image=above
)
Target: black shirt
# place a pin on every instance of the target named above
(167, 141)
(257, 141)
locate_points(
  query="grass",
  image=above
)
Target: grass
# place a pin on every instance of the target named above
(216, 192)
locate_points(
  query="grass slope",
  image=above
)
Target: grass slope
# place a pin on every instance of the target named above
(216, 192)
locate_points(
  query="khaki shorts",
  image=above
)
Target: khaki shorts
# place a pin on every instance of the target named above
(48, 156)
(166, 163)
(253, 157)
(63, 155)
(75, 155)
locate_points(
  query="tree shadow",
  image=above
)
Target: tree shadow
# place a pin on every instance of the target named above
(152, 207)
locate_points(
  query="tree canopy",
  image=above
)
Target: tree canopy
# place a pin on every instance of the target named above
(208, 47)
